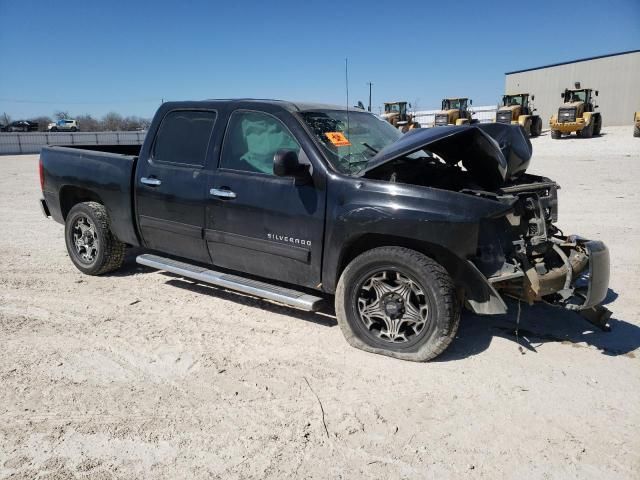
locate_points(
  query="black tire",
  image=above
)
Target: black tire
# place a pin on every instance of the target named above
(101, 251)
(597, 127)
(527, 127)
(54, 129)
(73, 129)
(636, 131)
(417, 273)
(536, 126)
(587, 132)
(555, 134)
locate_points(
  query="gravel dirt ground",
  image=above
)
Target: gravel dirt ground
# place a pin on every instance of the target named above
(140, 374)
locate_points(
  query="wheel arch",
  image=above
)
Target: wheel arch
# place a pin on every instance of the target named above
(470, 283)
(71, 195)
(366, 242)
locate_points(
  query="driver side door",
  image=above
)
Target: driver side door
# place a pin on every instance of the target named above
(257, 222)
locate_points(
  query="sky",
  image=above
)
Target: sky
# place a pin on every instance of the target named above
(128, 56)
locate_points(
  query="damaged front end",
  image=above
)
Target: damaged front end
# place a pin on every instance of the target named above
(525, 256)
(521, 254)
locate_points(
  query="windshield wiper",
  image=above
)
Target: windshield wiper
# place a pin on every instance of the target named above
(369, 147)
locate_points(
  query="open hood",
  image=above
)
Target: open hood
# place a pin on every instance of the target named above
(492, 153)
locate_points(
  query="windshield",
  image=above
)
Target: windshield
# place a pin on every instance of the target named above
(577, 96)
(349, 145)
(454, 104)
(513, 100)
(391, 108)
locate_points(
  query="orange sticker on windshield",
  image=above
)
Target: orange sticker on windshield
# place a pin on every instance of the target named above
(338, 139)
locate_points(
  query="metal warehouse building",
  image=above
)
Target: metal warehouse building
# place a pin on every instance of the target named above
(615, 76)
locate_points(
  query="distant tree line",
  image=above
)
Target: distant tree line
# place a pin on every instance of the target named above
(110, 122)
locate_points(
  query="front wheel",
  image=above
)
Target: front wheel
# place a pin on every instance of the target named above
(92, 247)
(597, 127)
(397, 302)
(636, 131)
(587, 132)
(555, 134)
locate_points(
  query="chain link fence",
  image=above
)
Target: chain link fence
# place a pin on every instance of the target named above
(32, 142)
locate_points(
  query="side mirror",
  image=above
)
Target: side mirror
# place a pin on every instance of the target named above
(562, 95)
(533, 97)
(596, 93)
(470, 102)
(287, 164)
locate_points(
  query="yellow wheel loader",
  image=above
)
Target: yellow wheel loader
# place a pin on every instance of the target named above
(577, 114)
(516, 109)
(636, 124)
(455, 111)
(396, 114)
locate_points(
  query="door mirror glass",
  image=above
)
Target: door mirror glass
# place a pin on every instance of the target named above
(533, 97)
(596, 93)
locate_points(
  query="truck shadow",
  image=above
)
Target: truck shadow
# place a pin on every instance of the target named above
(540, 324)
(325, 317)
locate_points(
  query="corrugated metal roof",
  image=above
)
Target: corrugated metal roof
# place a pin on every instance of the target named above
(573, 61)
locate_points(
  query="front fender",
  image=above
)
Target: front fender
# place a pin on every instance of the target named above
(522, 120)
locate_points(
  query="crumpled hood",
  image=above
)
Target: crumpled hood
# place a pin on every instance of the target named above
(492, 153)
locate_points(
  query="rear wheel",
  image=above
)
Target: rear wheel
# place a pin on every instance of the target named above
(92, 247)
(397, 302)
(527, 127)
(556, 134)
(636, 131)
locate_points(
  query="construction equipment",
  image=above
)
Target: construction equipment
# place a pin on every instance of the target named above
(577, 114)
(396, 114)
(454, 111)
(516, 109)
(636, 124)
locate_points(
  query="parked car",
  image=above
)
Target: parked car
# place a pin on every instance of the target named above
(22, 126)
(308, 202)
(64, 125)
(3, 128)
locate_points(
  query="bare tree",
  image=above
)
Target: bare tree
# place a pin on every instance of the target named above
(112, 121)
(61, 115)
(5, 119)
(88, 124)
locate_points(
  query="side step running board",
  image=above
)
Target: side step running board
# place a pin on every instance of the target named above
(256, 288)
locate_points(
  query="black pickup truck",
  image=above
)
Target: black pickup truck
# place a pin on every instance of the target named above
(297, 202)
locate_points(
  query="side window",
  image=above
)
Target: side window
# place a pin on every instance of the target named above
(183, 137)
(252, 140)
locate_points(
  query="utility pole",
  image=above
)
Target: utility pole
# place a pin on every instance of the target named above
(370, 84)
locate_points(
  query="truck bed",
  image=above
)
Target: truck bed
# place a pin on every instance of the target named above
(102, 173)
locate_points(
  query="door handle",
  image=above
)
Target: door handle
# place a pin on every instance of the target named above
(222, 193)
(152, 182)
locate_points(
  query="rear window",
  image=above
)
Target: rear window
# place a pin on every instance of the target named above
(183, 137)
